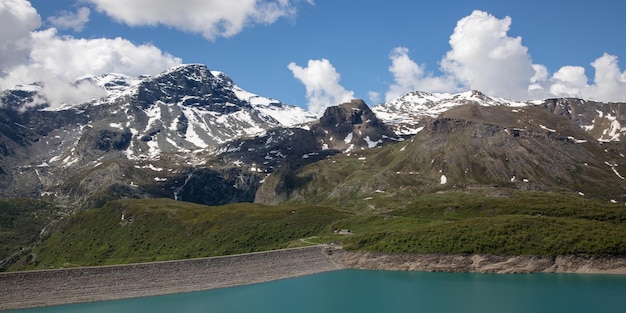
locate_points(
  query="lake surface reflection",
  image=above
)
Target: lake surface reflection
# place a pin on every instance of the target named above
(389, 291)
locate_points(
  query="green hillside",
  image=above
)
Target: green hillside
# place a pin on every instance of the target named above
(164, 229)
(519, 223)
(24, 223)
(503, 221)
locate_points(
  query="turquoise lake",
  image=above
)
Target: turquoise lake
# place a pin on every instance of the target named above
(389, 291)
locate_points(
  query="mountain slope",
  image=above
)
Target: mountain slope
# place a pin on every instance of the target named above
(407, 114)
(192, 134)
(467, 147)
(126, 138)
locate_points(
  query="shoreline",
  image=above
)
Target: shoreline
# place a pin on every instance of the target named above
(483, 263)
(39, 288)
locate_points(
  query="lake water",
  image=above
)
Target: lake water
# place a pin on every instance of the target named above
(389, 291)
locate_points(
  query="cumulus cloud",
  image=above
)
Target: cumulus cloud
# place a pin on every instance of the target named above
(71, 20)
(484, 57)
(212, 18)
(57, 54)
(409, 76)
(55, 61)
(321, 80)
(17, 19)
(568, 80)
(609, 80)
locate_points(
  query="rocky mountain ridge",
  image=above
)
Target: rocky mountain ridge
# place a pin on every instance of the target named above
(181, 111)
(192, 134)
(406, 114)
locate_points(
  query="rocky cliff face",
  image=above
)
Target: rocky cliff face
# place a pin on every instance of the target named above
(351, 126)
(603, 121)
(344, 128)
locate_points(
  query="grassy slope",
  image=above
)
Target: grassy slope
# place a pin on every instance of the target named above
(525, 223)
(21, 224)
(520, 222)
(163, 229)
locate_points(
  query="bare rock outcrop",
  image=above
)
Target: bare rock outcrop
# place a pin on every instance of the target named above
(482, 263)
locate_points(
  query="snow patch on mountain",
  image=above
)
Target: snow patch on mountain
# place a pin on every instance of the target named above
(405, 113)
(614, 130)
(371, 143)
(348, 138)
(285, 115)
(114, 82)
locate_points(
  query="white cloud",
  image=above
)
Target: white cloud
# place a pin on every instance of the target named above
(610, 82)
(70, 57)
(58, 61)
(568, 81)
(211, 18)
(485, 58)
(17, 19)
(321, 81)
(536, 89)
(374, 97)
(71, 20)
(409, 76)
(29, 56)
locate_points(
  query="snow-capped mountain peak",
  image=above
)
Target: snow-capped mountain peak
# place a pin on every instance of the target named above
(182, 109)
(115, 83)
(405, 113)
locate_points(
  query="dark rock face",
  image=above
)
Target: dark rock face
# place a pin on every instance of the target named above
(193, 82)
(210, 187)
(31, 125)
(107, 140)
(598, 117)
(293, 146)
(281, 152)
(17, 99)
(351, 125)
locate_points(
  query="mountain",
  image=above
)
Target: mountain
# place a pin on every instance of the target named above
(344, 128)
(603, 121)
(469, 147)
(192, 134)
(188, 108)
(406, 114)
(124, 138)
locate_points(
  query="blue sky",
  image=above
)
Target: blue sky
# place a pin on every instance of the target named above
(317, 53)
